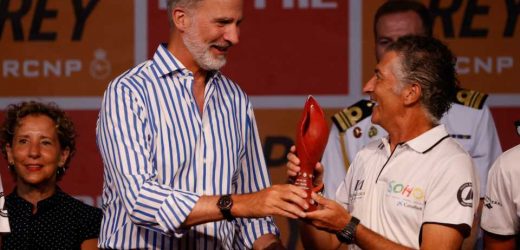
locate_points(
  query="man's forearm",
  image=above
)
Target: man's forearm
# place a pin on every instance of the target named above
(205, 210)
(368, 239)
(313, 238)
(498, 242)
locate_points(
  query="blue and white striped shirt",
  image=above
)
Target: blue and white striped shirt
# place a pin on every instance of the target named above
(160, 155)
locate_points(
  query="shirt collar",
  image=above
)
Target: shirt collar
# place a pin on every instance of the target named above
(43, 205)
(429, 139)
(167, 63)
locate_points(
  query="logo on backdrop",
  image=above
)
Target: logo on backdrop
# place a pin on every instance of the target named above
(56, 48)
(100, 67)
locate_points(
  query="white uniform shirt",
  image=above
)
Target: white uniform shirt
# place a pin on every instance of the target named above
(427, 179)
(473, 128)
(4, 220)
(501, 212)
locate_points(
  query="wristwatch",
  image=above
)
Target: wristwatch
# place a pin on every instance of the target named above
(348, 233)
(224, 204)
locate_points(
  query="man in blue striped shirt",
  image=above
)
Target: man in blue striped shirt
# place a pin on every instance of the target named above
(183, 164)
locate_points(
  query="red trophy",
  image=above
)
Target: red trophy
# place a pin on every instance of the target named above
(311, 139)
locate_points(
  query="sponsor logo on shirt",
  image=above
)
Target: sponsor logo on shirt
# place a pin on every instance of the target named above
(465, 195)
(358, 190)
(488, 202)
(459, 136)
(406, 204)
(406, 195)
(405, 190)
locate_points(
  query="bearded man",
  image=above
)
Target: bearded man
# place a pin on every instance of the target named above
(183, 164)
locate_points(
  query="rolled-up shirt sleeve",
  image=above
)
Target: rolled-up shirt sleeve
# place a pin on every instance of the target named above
(125, 140)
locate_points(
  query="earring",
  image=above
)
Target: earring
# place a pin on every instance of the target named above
(60, 170)
(10, 165)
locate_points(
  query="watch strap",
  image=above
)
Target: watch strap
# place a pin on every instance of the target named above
(224, 204)
(348, 233)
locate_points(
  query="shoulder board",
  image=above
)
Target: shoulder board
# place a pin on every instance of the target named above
(348, 117)
(470, 98)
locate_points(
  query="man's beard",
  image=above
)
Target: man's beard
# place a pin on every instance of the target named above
(200, 50)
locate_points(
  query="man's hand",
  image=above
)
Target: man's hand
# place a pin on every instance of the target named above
(293, 167)
(330, 216)
(285, 200)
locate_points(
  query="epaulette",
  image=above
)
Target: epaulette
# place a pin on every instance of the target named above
(470, 98)
(348, 117)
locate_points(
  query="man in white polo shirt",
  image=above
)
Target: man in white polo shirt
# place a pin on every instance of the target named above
(469, 120)
(413, 188)
(501, 212)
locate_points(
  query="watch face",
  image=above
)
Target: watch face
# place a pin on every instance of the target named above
(225, 202)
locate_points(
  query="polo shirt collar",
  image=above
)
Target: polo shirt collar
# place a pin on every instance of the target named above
(429, 139)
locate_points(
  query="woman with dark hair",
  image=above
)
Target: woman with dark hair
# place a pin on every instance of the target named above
(38, 141)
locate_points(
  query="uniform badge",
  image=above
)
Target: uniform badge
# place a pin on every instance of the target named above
(357, 132)
(372, 132)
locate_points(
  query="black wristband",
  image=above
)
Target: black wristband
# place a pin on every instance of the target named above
(348, 233)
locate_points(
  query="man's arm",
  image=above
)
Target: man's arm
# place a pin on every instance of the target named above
(332, 217)
(499, 242)
(285, 200)
(314, 238)
(254, 205)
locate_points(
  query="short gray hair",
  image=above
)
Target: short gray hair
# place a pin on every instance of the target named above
(431, 64)
(172, 4)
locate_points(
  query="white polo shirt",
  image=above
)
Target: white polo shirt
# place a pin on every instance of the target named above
(473, 128)
(430, 178)
(501, 211)
(4, 220)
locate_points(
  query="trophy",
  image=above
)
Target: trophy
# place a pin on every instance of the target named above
(311, 139)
